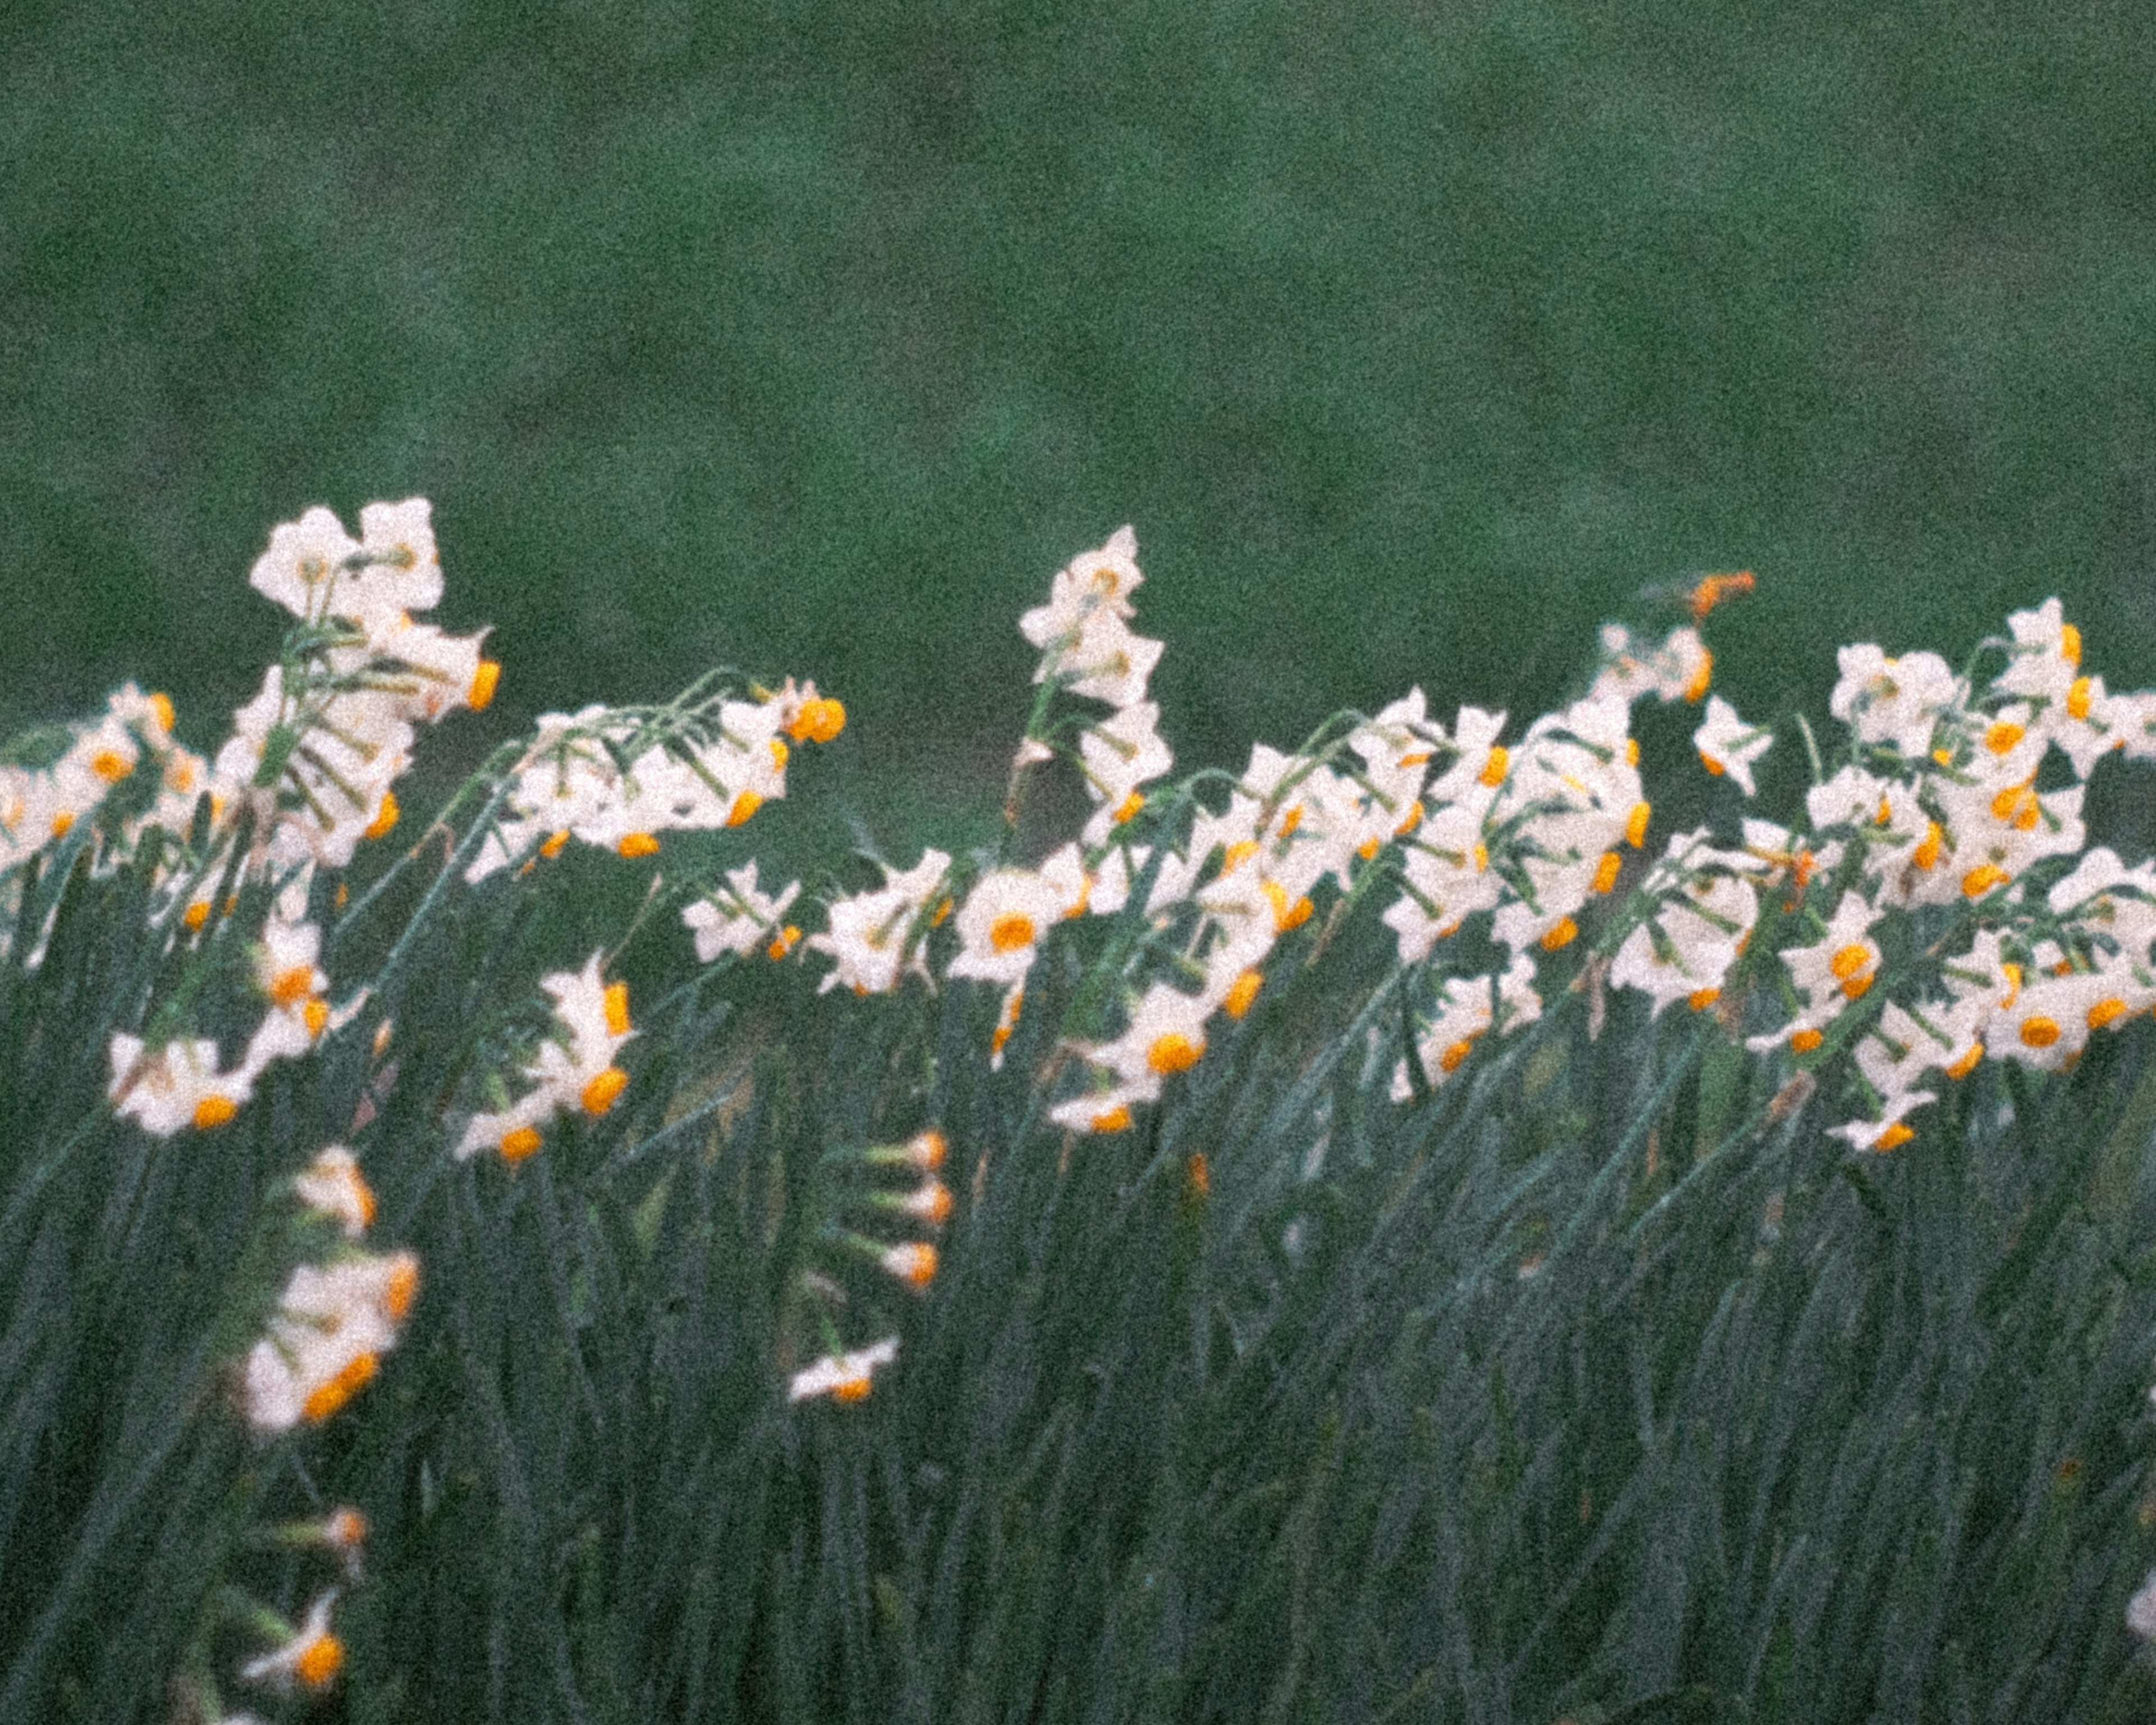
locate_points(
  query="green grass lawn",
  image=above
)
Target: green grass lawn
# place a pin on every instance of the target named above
(811, 337)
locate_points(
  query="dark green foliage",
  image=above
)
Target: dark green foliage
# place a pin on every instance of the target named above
(1587, 1387)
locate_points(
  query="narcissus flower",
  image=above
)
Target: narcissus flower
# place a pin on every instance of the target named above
(873, 937)
(178, 1088)
(324, 1340)
(310, 1658)
(843, 1377)
(738, 917)
(1001, 923)
(332, 1186)
(1727, 744)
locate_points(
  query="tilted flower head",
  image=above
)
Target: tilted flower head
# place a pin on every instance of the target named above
(324, 1340)
(178, 1088)
(872, 936)
(738, 917)
(843, 1377)
(310, 1657)
(595, 1014)
(1107, 661)
(1727, 744)
(1705, 910)
(1898, 702)
(1166, 1036)
(1840, 966)
(1096, 581)
(332, 1187)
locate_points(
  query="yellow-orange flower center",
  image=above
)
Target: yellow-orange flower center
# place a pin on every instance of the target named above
(1449, 1061)
(2038, 1031)
(328, 1398)
(599, 1094)
(1702, 679)
(1606, 871)
(1241, 992)
(486, 679)
(385, 818)
(1116, 1120)
(319, 1661)
(1893, 1138)
(1713, 765)
(1236, 854)
(2001, 738)
(1635, 824)
(1285, 915)
(744, 805)
(818, 720)
(160, 704)
(1701, 999)
(288, 988)
(1967, 1063)
(1011, 931)
(1982, 879)
(615, 1002)
(2079, 697)
(215, 1110)
(552, 847)
(196, 914)
(1128, 807)
(2105, 1011)
(315, 1015)
(1173, 1052)
(111, 765)
(1495, 769)
(1805, 1040)
(633, 845)
(402, 1289)
(2069, 644)
(1560, 934)
(519, 1143)
(782, 943)
(1926, 855)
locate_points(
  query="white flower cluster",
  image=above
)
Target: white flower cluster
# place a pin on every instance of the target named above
(317, 752)
(334, 1320)
(619, 778)
(129, 751)
(572, 1070)
(307, 773)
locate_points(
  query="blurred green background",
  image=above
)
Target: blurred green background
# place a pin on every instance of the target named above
(1413, 337)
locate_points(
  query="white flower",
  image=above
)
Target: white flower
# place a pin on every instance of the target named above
(872, 935)
(573, 1068)
(1166, 1036)
(1895, 701)
(333, 1187)
(1001, 923)
(310, 1657)
(2141, 1609)
(1840, 966)
(1098, 580)
(325, 1338)
(1888, 1131)
(1727, 744)
(1107, 661)
(178, 1086)
(843, 1377)
(739, 917)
